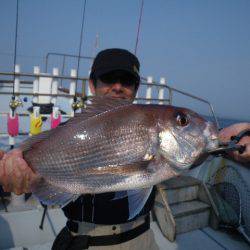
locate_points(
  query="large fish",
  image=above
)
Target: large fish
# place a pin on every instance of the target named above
(115, 145)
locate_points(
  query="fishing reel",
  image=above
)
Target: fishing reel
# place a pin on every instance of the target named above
(77, 104)
(14, 103)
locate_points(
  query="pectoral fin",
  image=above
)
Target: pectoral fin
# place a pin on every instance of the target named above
(137, 199)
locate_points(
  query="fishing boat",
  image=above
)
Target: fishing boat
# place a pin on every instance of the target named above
(205, 208)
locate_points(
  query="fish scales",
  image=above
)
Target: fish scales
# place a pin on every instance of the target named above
(105, 141)
(119, 147)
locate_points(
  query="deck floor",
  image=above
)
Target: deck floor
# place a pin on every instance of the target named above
(204, 239)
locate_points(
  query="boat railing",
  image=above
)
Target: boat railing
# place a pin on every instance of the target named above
(148, 82)
(31, 80)
(64, 57)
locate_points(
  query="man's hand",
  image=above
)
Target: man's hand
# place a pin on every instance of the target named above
(15, 174)
(226, 134)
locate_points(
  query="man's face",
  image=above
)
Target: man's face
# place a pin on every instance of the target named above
(116, 84)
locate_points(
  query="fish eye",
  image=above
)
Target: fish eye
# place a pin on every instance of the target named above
(182, 119)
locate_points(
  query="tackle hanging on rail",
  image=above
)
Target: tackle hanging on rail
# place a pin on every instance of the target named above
(55, 117)
(13, 124)
(36, 121)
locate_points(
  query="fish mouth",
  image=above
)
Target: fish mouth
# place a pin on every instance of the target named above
(213, 143)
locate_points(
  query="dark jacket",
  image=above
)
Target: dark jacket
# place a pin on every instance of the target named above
(101, 209)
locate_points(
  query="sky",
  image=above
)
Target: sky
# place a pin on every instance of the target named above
(200, 46)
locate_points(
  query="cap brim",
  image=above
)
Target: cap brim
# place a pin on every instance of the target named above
(106, 71)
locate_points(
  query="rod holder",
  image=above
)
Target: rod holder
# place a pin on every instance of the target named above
(54, 86)
(72, 91)
(17, 79)
(36, 84)
(149, 89)
(161, 90)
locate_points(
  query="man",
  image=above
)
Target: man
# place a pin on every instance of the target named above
(115, 73)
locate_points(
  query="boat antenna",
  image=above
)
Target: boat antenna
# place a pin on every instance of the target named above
(80, 45)
(15, 53)
(139, 26)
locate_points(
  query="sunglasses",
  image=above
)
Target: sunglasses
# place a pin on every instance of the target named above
(123, 78)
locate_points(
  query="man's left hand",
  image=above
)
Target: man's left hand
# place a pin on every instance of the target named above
(233, 130)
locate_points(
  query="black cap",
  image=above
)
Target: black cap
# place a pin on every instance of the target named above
(115, 59)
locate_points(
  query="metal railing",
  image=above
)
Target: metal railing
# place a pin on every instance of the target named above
(64, 56)
(171, 90)
(43, 75)
(148, 82)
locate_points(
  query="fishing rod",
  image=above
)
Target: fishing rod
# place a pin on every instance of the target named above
(81, 39)
(14, 103)
(76, 104)
(15, 49)
(139, 27)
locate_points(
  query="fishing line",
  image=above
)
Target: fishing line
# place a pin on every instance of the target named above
(80, 45)
(139, 27)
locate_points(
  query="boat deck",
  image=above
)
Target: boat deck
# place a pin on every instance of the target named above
(202, 239)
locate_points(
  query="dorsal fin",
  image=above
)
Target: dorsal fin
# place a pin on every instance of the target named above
(98, 105)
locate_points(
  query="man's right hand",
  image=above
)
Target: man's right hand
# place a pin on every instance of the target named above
(15, 174)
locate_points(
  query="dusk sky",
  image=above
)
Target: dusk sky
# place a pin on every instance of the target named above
(200, 46)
